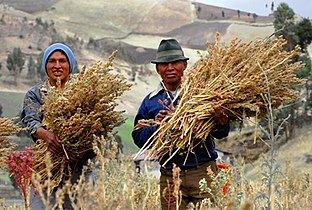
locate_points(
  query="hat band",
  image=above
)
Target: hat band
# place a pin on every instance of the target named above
(169, 53)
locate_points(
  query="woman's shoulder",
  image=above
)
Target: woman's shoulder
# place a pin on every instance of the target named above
(34, 90)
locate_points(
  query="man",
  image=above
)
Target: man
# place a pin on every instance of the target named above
(170, 65)
(58, 62)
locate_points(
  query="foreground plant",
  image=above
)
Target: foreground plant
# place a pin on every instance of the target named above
(20, 166)
(117, 184)
(7, 128)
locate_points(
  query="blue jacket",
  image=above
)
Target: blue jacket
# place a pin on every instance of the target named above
(31, 116)
(204, 152)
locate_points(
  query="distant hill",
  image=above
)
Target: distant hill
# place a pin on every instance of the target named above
(134, 28)
(29, 6)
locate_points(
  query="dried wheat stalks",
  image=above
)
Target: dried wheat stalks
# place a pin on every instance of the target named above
(7, 128)
(238, 75)
(84, 109)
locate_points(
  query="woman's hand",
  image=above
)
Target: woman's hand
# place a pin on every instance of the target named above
(52, 139)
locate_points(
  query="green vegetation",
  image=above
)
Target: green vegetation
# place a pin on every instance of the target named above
(124, 131)
(11, 103)
(15, 62)
(296, 33)
(4, 177)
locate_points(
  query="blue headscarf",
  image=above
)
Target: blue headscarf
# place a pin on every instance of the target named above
(59, 46)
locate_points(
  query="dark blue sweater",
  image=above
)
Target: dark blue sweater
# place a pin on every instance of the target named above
(202, 153)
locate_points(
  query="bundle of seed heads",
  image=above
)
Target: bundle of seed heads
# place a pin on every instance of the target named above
(238, 76)
(86, 107)
(7, 128)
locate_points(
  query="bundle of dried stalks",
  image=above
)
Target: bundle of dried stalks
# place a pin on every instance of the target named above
(238, 76)
(85, 108)
(7, 128)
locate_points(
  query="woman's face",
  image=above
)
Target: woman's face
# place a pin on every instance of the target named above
(58, 67)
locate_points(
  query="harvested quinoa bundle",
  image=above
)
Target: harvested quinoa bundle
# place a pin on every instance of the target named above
(239, 77)
(84, 109)
(7, 128)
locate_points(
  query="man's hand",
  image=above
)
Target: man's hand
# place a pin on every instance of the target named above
(52, 139)
(220, 113)
(161, 115)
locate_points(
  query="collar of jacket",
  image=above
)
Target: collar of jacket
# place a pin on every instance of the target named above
(156, 91)
(159, 88)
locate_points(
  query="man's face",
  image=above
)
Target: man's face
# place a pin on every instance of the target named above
(171, 73)
(58, 67)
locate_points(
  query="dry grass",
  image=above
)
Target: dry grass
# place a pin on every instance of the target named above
(293, 152)
(7, 128)
(118, 186)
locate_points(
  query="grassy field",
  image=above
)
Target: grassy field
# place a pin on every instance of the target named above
(124, 131)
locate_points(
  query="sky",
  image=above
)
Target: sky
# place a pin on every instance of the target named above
(300, 7)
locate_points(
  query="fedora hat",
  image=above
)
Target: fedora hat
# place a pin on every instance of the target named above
(169, 50)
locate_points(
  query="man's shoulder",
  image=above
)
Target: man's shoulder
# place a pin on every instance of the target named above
(155, 92)
(150, 98)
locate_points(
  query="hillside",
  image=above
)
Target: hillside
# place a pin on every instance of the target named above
(133, 27)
